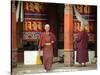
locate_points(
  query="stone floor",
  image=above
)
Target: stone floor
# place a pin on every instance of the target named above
(57, 67)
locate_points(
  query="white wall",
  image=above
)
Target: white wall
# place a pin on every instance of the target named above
(91, 55)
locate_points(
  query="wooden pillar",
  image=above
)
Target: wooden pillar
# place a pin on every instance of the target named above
(68, 35)
(13, 36)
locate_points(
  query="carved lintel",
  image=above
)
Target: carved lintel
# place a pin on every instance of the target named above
(68, 8)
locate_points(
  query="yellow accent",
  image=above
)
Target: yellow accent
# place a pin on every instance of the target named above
(38, 61)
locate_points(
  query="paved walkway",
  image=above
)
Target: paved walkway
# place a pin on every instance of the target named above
(57, 67)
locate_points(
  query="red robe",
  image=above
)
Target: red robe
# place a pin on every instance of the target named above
(82, 47)
(47, 49)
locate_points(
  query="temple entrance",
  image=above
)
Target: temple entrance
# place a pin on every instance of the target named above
(64, 24)
(28, 20)
(26, 40)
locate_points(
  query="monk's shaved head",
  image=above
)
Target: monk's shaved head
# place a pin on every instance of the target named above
(47, 27)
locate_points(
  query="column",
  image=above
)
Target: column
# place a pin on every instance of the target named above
(68, 35)
(13, 35)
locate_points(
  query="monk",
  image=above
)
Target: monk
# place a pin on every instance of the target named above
(82, 47)
(47, 40)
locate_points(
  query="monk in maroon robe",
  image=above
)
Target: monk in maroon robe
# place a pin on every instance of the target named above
(82, 47)
(46, 42)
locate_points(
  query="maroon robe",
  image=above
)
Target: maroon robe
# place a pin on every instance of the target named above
(82, 47)
(47, 49)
